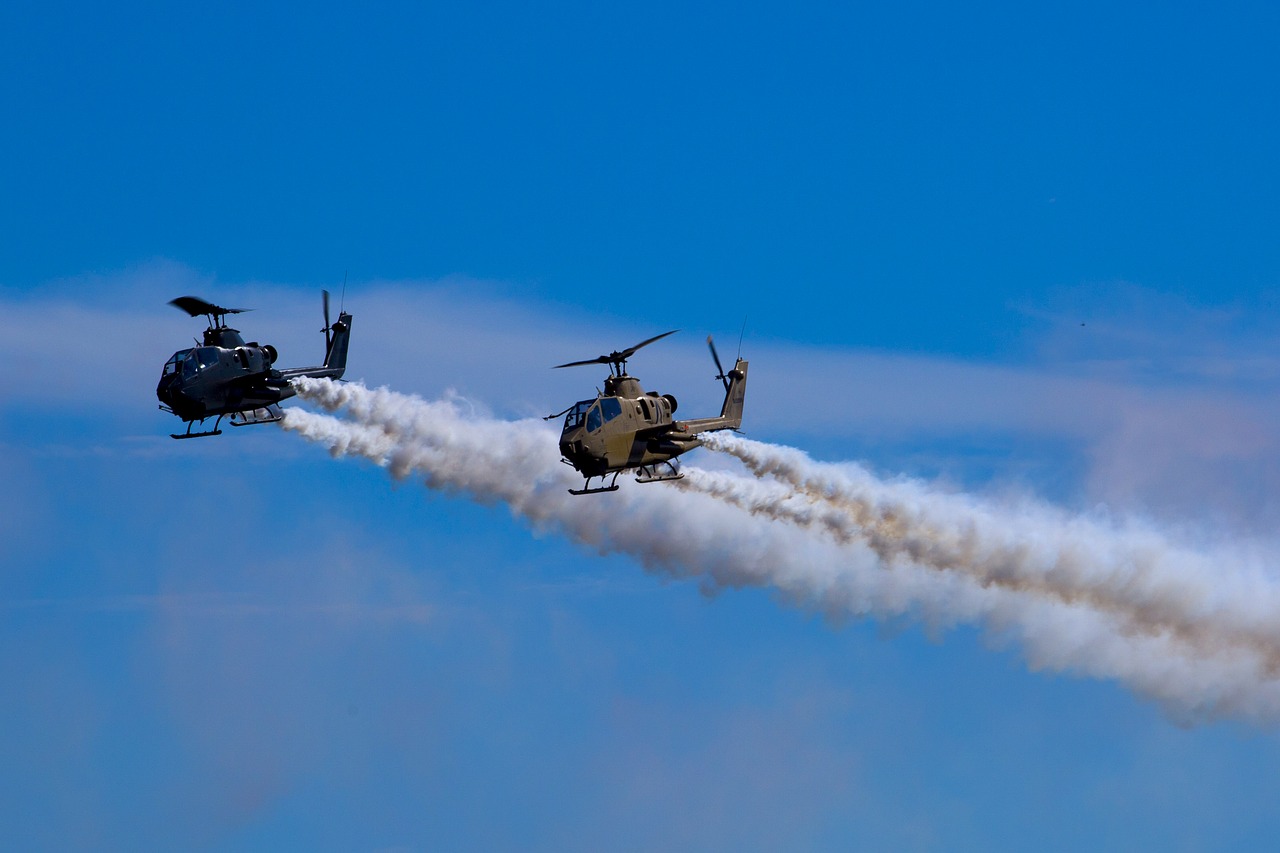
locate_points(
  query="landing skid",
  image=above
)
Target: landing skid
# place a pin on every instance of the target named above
(649, 474)
(587, 490)
(190, 434)
(266, 415)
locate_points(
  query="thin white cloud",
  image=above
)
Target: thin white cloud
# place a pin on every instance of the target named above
(1152, 425)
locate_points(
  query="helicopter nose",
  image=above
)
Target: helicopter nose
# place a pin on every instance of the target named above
(570, 449)
(164, 390)
(170, 393)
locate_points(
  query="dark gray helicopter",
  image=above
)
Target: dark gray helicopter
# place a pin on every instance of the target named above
(626, 427)
(226, 376)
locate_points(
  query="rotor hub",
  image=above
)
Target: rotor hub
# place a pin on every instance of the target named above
(623, 385)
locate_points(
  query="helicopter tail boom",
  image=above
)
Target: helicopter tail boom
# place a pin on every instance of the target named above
(335, 360)
(731, 412)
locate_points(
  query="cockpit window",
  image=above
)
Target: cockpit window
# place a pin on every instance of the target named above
(174, 364)
(573, 418)
(610, 408)
(593, 419)
(195, 360)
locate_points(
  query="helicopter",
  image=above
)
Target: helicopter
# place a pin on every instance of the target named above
(227, 376)
(626, 427)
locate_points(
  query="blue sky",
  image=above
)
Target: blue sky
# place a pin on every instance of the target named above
(243, 643)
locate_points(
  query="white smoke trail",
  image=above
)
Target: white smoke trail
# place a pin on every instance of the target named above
(1132, 574)
(1209, 656)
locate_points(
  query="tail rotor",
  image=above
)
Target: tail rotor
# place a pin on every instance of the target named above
(716, 357)
(328, 330)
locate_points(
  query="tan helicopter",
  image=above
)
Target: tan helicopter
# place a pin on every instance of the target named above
(627, 428)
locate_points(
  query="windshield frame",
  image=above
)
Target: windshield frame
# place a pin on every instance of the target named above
(174, 364)
(576, 414)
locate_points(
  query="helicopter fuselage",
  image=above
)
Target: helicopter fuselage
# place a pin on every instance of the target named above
(226, 376)
(625, 427)
(204, 381)
(223, 376)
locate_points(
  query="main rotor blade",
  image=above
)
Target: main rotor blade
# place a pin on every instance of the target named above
(604, 359)
(617, 357)
(627, 353)
(716, 357)
(195, 306)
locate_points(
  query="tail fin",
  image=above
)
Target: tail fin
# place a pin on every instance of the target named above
(735, 396)
(336, 357)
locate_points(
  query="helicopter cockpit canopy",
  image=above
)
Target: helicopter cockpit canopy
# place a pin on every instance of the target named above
(573, 417)
(208, 356)
(174, 364)
(595, 413)
(610, 408)
(191, 361)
